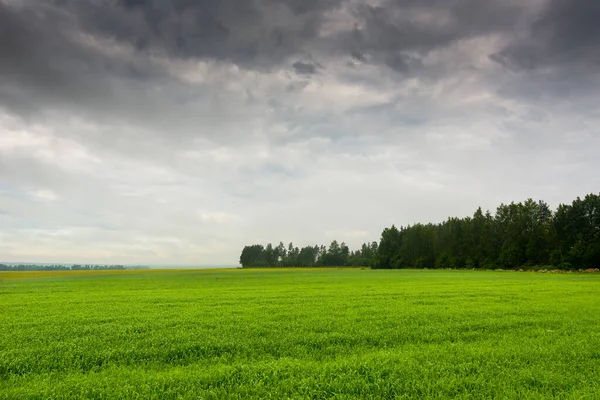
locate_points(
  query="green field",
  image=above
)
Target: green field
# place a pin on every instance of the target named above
(316, 334)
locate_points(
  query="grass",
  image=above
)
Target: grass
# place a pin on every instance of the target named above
(315, 334)
(66, 273)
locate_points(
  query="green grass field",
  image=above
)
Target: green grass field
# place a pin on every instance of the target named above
(316, 334)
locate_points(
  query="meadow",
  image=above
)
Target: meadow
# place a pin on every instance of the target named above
(300, 334)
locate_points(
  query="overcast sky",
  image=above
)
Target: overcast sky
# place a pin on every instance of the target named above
(176, 132)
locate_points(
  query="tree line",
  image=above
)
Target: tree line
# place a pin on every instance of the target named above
(337, 254)
(60, 267)
(517, 235)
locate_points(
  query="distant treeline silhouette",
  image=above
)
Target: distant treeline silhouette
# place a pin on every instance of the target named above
(61, 267)
(337, 254)
(517, 235)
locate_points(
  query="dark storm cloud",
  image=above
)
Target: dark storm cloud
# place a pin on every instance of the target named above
(25, 57)
(42, 63)
(47, 60)
(303, 68)
(44, 58)
(567, 33)
(397, 33)
(250, 33)
(424, 25)
(256, 34)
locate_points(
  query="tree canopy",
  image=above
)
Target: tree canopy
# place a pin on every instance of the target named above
(517, 235)
(337, 254)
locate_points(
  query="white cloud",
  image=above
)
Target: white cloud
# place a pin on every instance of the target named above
(216, 216)
(44, 195)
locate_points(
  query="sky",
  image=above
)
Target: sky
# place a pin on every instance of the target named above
(176, 132)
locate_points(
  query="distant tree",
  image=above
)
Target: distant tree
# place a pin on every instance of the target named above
(253, 256)
(517, 235)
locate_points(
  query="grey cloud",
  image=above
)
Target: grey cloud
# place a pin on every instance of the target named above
(303, 68)
(262, 34)
(554, 61)
(42, 64)
(398, 33)
(23, 51)
(45, 60)
(565, 35)
(358, 56)
(402, 62)
(295, 86)
(48, 62)
(249, 33)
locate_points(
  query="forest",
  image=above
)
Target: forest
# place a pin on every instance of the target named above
(518, 235)
(337, 254)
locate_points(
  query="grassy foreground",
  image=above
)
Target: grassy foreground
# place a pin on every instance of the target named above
(316, 334)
